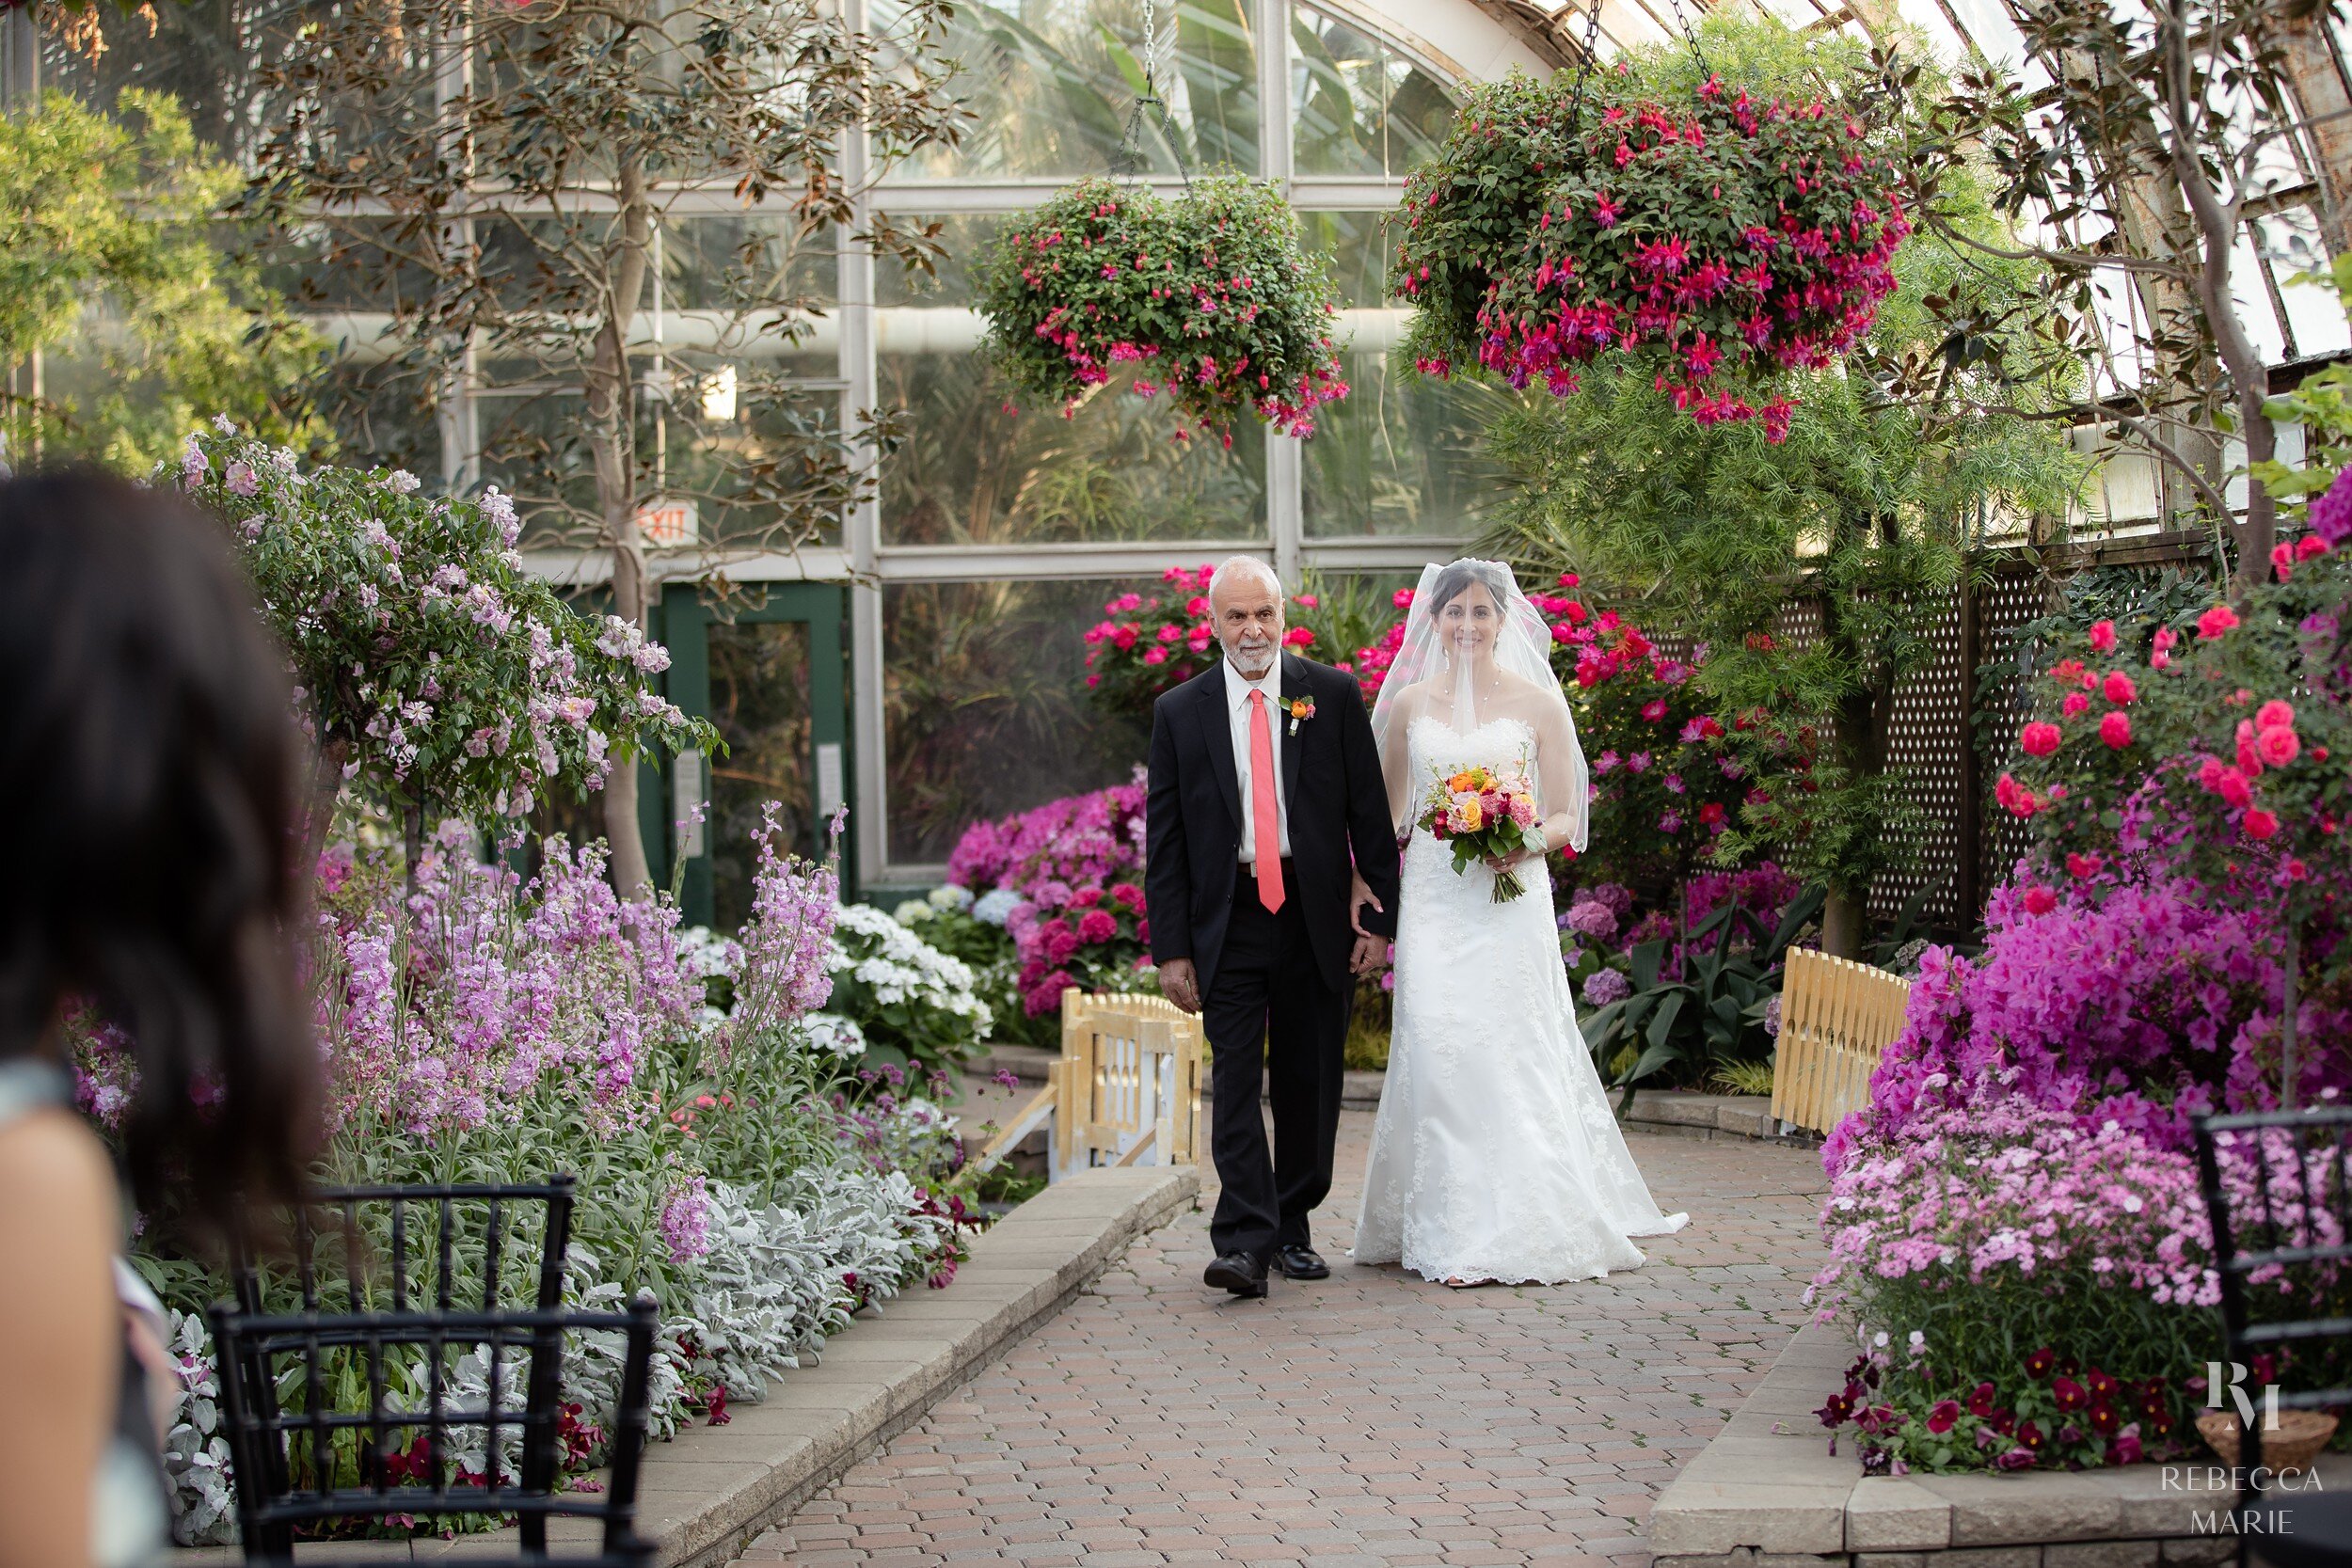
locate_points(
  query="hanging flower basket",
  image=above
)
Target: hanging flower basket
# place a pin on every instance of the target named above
(1726, 242)
(1208, 296)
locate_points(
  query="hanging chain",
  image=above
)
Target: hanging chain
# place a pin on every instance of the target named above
(1151, 51)
(1586, 58)
(1158, 45)
(1690, 35)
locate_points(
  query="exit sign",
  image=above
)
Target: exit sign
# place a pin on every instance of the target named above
(668, 525)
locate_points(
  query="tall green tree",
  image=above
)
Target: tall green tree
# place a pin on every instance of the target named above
(1813, 569)
(113, 273)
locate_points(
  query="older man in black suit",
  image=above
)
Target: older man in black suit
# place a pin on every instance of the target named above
(1269, 854)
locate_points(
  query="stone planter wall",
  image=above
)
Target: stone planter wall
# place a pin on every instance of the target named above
(1768, 1494)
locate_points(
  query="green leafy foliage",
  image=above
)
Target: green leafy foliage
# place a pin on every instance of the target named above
(1708, 1018)
(1210, 296)
(109, 267)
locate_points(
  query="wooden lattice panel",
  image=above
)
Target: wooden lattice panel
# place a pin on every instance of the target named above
(2008, 603)
(1927, 748)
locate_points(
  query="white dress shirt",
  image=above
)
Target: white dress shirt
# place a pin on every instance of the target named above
(1237, 690)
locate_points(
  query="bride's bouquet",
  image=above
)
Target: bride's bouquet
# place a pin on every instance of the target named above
(1482, 813)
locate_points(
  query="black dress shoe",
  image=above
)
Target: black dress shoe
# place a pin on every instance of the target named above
(1300, 1262)
(1238, 1272)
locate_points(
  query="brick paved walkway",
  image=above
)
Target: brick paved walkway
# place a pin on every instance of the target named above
(1368, 1420)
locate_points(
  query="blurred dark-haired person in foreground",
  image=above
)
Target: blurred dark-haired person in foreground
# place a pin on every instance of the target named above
(151, 779)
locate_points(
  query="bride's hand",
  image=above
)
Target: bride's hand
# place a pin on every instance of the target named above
(1499, 864)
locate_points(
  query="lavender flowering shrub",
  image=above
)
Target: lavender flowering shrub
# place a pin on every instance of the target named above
(431, 668)
(479, 1026)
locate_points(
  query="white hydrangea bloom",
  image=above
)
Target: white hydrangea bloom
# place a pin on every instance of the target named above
(834, 1033)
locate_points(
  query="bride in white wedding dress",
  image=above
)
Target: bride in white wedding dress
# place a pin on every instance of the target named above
(1496, 1159)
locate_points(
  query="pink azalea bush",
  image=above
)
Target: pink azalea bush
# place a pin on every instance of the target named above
(1540, 239)
(1208, 297)
(2148, 1008)
(1065, 880)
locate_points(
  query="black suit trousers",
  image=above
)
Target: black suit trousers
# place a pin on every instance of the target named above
(1270, 1009)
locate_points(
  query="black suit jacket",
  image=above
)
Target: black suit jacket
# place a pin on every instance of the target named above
(1333, 793)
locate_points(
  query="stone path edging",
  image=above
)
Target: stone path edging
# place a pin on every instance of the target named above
(1768, 1494)
(706, 1493)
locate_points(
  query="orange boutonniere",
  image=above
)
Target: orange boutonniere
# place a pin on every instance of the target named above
(1302, 709)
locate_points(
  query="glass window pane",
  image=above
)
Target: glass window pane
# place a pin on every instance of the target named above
(971, 472)
(759, 702)
(1358, 108)
(1052, 83)
(984, 708)
(725, 262)
(1400, 454)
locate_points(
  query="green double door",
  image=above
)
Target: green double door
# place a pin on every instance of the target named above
(771, 675)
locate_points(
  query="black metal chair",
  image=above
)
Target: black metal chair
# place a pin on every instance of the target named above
(290, 1467)
(443, 1216)
(360, 1250)
(2291, 1221)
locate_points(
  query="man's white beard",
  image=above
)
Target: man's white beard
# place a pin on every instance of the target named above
(1249, 670)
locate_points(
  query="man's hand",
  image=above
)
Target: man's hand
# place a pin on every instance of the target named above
(1371, 953)
(1180, 984)
(1358, 895)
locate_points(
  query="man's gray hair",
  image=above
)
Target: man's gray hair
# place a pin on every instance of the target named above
(1245, 566)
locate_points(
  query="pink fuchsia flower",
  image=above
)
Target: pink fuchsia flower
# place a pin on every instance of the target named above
(2259, 824)
(2103, 636)
(2040, 739)
(2118, 686)
(2039, 900)
(2216, 622)
(2116, 729)
(2274, 715)
(2278, 746)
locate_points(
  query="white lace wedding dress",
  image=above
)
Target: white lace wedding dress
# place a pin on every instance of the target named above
(1496, 1156)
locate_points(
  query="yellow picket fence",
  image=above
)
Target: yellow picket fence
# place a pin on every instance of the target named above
(1836, 1018)
(1127, 1091)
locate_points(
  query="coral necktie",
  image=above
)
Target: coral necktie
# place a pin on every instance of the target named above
(1265, 817)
